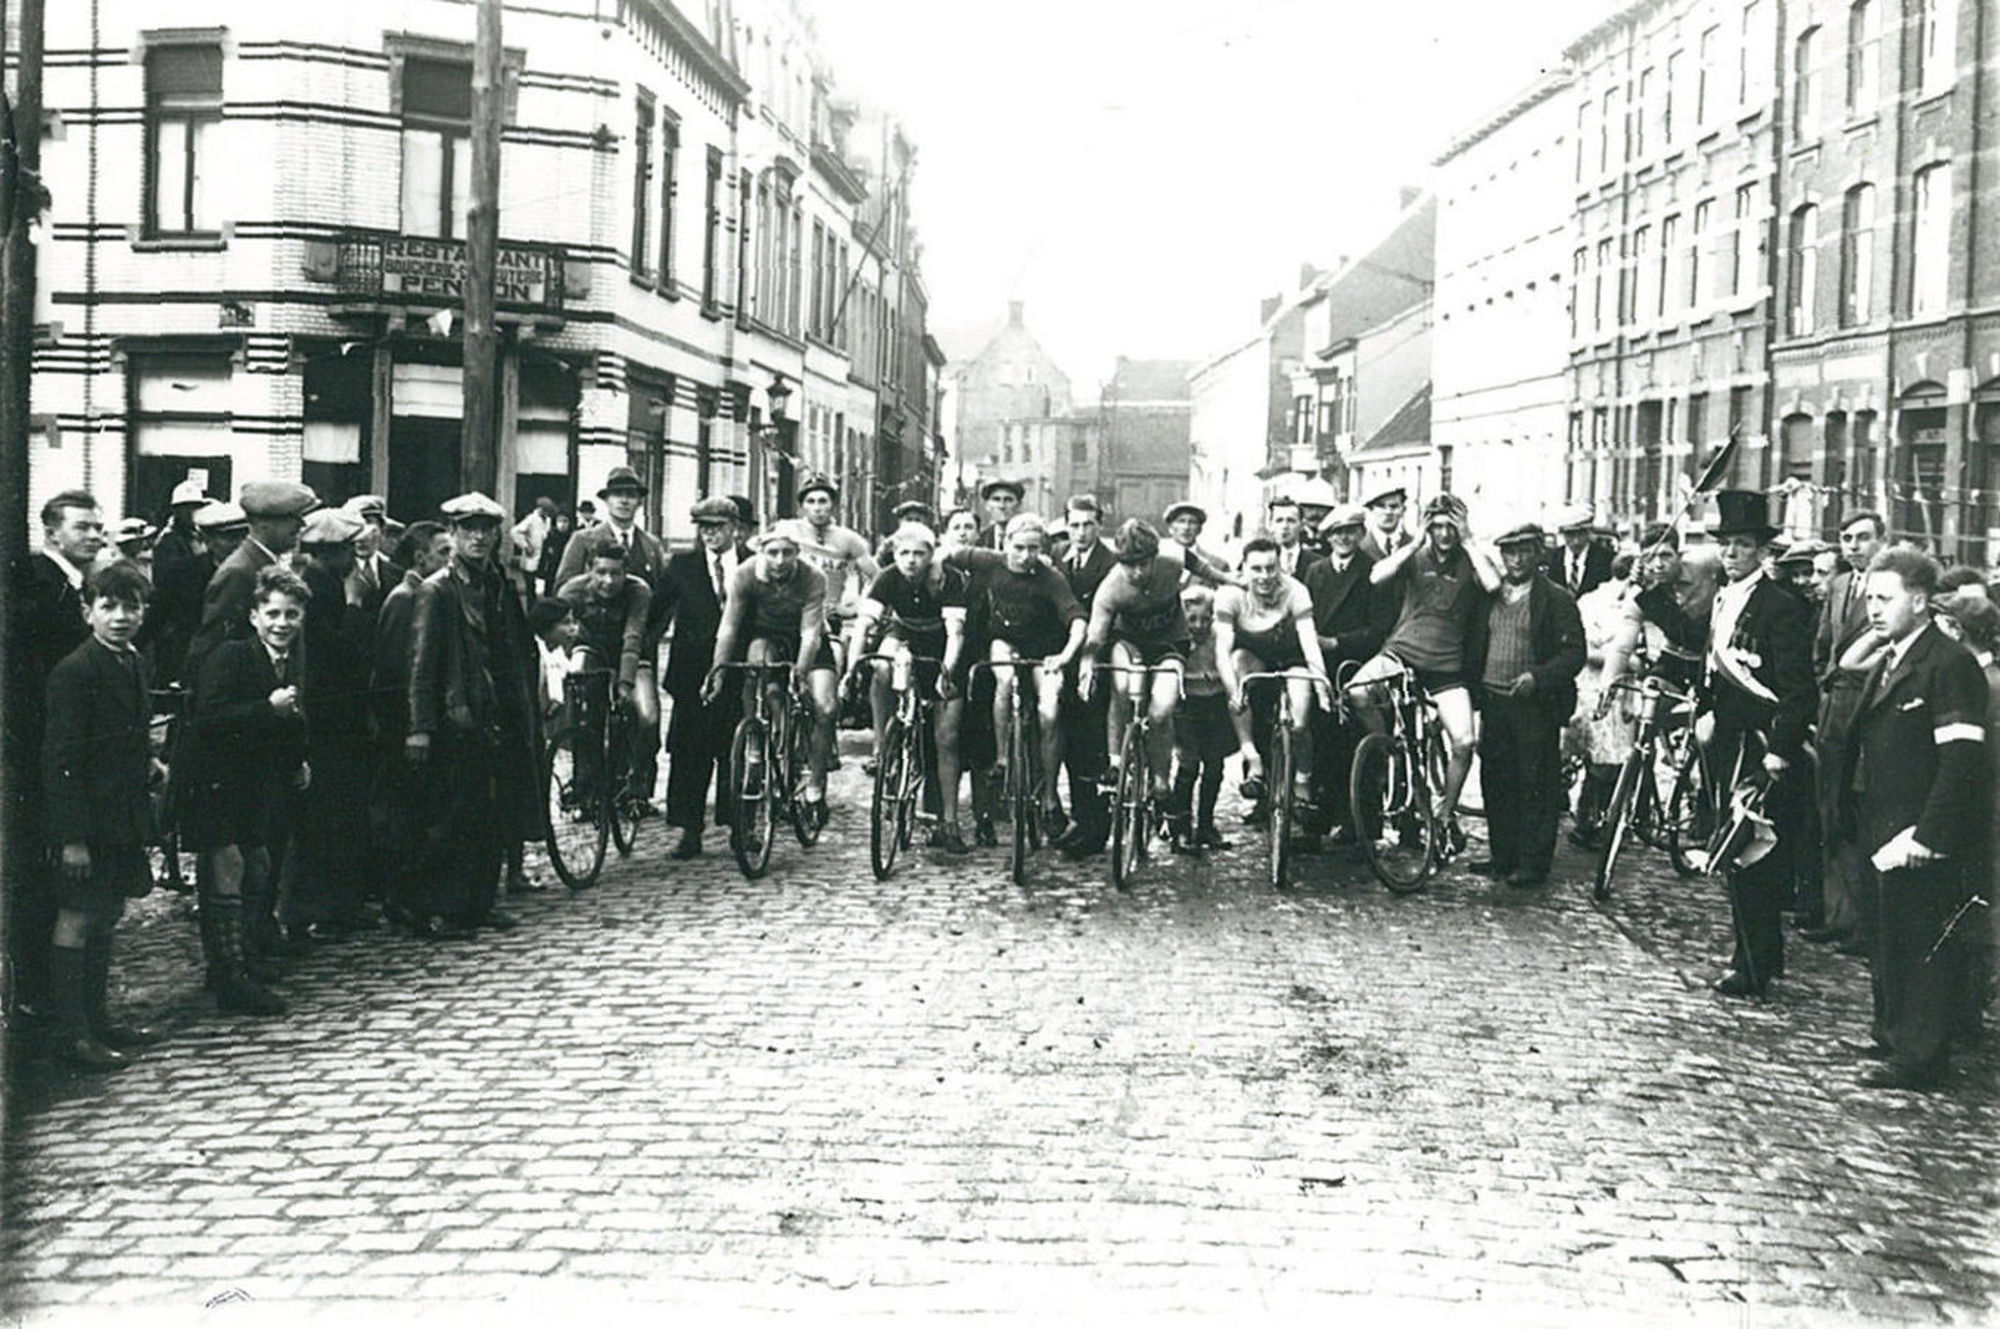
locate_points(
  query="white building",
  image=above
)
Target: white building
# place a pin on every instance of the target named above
(1228, 428)
(1501, 340)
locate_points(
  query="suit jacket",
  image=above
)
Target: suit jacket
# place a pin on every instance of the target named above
(646, 559)
(1371, 545)
(1774, 636)
(1917, 749)
(1307, 557)
(690, 606)
(1083, 583)
(96, 757)
(336, 645)
(1356, 615)
(242, 755)
(1836, 631)
(374, 577)
(225, 605)
(175, 614)
(1596, 569)
(1556, 645)
(389, 670)
(470, 675)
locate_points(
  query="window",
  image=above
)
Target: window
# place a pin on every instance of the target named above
(1930, 266)
(840, 302)
(1805, 100)
(1864, 55)
(670, 187)
(183, 109)
(1663, 286)
(1751, 73)
(1604, 257)
(1608, 114)
(1696, 240)
(1704, 101)
(743, 274)
(1801, 270)
(437, 146)
(1936, 43)
(1642, 108)
(642, 188)
(1079, 451)
(1697, 422)
(711, 238)
(1744, 273)
(795, 270)
(1857, 256)
(1578, 263)
(1675, 97)
(1582, 137)
(1640, 302)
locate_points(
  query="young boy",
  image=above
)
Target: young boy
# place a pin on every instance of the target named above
(96, 766)
(1203, 735)
(556, 633)
(249, 756)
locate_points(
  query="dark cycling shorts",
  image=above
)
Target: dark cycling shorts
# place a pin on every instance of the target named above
(1155, 653)
(1435, 681)
(1277, 650)
(786, 649)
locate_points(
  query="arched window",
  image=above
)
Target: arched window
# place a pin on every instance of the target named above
(1864, 55)
(1802, 271)
(1930, 240)
(1805, 85)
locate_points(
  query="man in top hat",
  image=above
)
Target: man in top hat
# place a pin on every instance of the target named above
(1762, 700)
(1385, 522)
(699, 732)
(276, 510)
(473, 722)
(1524, 653)
(1002, 498)
(181, 539)
(1584, 565)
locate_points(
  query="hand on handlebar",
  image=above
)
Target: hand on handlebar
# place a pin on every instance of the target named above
(1238, 701)
(711, 687)
(1086, 681)
(947, 690)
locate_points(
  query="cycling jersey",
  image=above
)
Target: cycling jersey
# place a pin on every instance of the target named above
(1439, 600)
(917, 610)
(1030, 611)
(832, 552)
(777, 611)
(1144, 611)
(1267, 629)
(613, 628)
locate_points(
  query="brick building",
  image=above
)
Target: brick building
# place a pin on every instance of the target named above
(256, 251)
(1143, 465)
(1011, 379)
(1052, 456)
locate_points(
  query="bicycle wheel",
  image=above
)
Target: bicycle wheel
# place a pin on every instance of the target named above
(576, 823)
(885, 806)
(625, 808)
(807, 818)
(1128, 811)
(1278, 779)
(1691, 814)
(1618, 819)
(1022, 795)
(1393, 818)
(751, 808)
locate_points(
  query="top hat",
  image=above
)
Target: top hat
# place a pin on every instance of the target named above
(1742, 512)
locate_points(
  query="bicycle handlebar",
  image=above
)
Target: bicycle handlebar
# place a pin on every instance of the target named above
(1299, 673)
(885, 658)
(1018, 662)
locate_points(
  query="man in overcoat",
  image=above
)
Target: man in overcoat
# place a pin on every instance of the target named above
(1353, 620)
(1846, 910)
(699, 733)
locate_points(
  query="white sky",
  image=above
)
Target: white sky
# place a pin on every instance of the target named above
(1142, 172)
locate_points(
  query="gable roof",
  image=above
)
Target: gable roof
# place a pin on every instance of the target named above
(1411, 424)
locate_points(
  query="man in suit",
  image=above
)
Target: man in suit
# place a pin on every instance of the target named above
(1845, 908)
(1523, 654)
(1916, 776)
(699, 732)
(1386, 533)
(1002, 499)
(276, 510)
(402, 798)
(375, 574)
(1353, 620)
(1584, 565)
(1085, 565)
(1285, 523)
(1762, 698)
(49, 624)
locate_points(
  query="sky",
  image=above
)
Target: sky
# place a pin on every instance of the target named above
(1140, 173)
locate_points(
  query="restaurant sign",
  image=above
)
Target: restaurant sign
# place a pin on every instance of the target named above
(422, 270)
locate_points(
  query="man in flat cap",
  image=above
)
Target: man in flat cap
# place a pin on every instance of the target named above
(473, 723)
(277, 513)
(1002, 499)
(1353, 618)
(699, 732)
(181, 540)
(1386, 534)
(374, 573)
(1524, 653)
(1584, 564)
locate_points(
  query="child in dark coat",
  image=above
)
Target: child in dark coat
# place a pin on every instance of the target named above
(1203, 735)
(96, 766)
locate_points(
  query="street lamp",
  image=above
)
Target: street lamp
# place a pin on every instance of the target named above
(778, 394)
(775, 437)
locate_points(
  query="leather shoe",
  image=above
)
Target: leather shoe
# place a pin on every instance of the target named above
(1486, 867)
(1525, 877)
(1055, 824)
(688, 846)
(1892, 1076)
(84, 1051)
(1736, 983)
(118, 1037)
(1869, 1048)
(500, 921)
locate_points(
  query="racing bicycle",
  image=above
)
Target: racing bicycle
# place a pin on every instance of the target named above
(1280, 771)
(768, 757)
(1394, 784)
(1021, 746)
(586, 780)
(904, 763)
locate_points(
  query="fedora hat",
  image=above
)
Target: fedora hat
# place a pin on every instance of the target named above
(622, 478)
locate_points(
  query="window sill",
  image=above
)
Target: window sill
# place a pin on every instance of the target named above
(190, 242)
(1924, 100)
(1805, 146)
(712, 312)
(1863, 120)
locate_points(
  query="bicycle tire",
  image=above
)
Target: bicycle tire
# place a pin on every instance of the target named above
(577, 827)
(1618, 817)
(1278, 780)
(1390, 806)
(751, 808)
(1691, 813)
(1128, 811)
(1022, 797)
(624, 811)
(885, 806)
(807, 819)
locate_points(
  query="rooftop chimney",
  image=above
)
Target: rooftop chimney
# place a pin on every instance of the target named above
(1013, 313)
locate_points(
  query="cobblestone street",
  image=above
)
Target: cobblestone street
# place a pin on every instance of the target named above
(818, 1091)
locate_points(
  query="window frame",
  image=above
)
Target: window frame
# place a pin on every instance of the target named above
(1857, 256)
(642, 189)
(187, 114)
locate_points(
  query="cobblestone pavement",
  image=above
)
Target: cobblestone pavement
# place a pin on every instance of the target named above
(818, 1092)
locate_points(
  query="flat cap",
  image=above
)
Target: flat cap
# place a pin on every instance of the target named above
(1574, 517)
(472, 507)
(746, 511)
(1521, 533)
(331, 526)
(277, 498)
(1316, 493)
(1381, 496)
(1002, 486)
(1444, 505)
(714, 509)
(910, 508)
(1804, 552)
(220, 516)
(1347, 514)
(1186, 509)
(189, 490)
(133, 528)
(367, 505)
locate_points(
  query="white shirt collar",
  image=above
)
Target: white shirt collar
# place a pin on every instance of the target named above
(71, 573)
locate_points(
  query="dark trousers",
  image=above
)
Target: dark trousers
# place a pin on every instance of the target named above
(470, 839)
(1520, 762)
(332, 838)
(1847, 891)
(1203, 740)
(1085, 758)
(1758, 893)
(1917, 972)
(1333, 764)
(698, 739)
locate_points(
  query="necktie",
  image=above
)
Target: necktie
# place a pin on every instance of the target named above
(721, 582)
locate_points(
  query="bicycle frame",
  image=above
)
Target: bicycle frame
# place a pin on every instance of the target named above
(1136, 809)
(903, 761)
(1024, 777)
(1279, 765)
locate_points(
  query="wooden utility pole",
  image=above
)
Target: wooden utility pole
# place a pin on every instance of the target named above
(20, 203)
(479, 459)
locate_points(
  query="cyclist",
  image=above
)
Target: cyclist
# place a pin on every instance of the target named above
(1265, 626)
(838, 553)
(1028, 612)
(1443, 581)
(1137, 612)
(916, 608)
(776, 611)
(611, 607)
